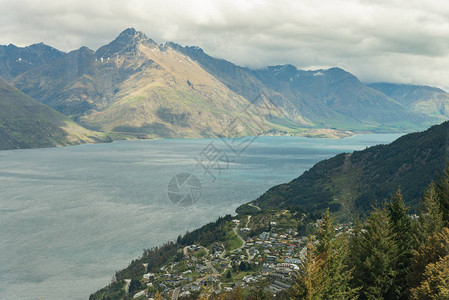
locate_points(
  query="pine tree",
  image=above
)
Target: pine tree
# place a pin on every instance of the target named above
(443, 193)
(325, 233)
(374, 257)
(437, 246)
(308, 285)
(436, 281)
(400, 228)
(337, 275)
(430, 219)
(324, 273)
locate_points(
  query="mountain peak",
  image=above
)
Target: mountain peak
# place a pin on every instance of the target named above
(131, 34)
(126, 41)
(129, 31)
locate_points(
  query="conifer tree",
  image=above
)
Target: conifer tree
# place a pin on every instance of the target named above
(337, 275)
(308, 285)
(443, 193)
(436, 281)
(324, 273)
(325, 233)
(374, 257)
(437, 246)
(430, 219)
(400, 228)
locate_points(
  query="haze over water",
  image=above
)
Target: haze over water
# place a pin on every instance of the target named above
(70, 217)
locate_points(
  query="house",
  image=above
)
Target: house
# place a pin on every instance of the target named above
(264, 236)
(184, 294)
(148, 275)
(137, 295)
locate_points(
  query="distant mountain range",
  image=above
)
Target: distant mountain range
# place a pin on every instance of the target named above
(17, 60)
(26, 123)
(355, 181)
(134, 87)
(429, 100)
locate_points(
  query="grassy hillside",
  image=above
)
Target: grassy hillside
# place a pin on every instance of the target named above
(26, 123)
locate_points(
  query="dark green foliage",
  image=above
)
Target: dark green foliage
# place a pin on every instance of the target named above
(208, 234)
(325, 272)
(245, 266)
(134, 286)
(443, 193)
(325, 234)
(365, 177)
(114, 291)
(373, 257)
(435, 247)
(400, 228)
(430, 219)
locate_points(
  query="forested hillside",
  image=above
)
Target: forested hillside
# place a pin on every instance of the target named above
(355, 181)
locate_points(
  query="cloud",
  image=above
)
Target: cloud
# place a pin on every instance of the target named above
(396, 41)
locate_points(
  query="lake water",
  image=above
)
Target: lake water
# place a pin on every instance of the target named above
(70, 217)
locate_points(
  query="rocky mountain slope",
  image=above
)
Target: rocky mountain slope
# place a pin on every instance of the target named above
(330, 98)
(26, 123)
(336, 98)
(429, 100)
(17, 60)
(134, 86)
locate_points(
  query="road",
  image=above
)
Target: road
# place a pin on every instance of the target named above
(175, 294)
(247, 222)
(252, 205)
(209, 265)
(238, 235)
(128, 281)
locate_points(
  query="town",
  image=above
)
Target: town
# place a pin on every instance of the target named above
(267, 260)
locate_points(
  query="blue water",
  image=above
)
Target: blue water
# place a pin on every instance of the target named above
(70, 217)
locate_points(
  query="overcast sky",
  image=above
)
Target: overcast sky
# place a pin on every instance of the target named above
(377, 40)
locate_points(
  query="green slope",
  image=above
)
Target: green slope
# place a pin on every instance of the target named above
(358, 180)
(26, 123)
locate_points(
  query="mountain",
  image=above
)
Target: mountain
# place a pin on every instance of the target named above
(355, 181)
(26, 123)
(429, 100)
(17, 60)
(241, 80)
(330, 98)
(336, 98)
(135, 86)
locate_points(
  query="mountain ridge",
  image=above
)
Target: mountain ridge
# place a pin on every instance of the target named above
(434, 101)
(126, 86)
(17, 60)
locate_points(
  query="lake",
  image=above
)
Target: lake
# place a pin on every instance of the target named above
(70, 217)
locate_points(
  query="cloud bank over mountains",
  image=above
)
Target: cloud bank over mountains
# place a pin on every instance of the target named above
(395, 41)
